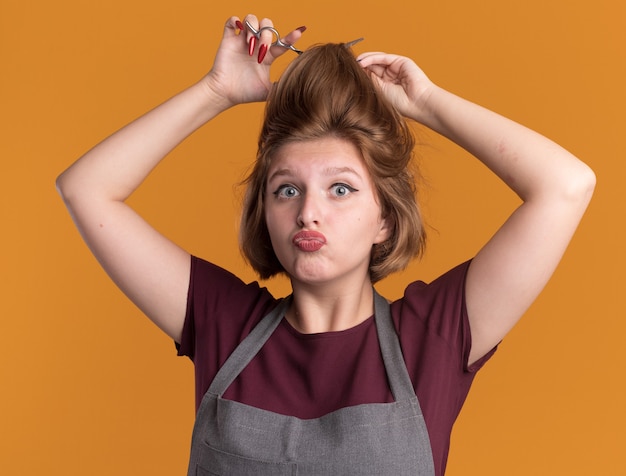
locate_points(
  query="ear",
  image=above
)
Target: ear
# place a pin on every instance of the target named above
(384, 231)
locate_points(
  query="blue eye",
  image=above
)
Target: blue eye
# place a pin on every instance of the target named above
(286, 191)
(342, 190)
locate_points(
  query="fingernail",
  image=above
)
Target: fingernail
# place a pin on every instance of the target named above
(239, 25)
(252, 45)
(262, 53)
(301, 29)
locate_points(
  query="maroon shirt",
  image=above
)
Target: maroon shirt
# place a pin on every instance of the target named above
(310, 375)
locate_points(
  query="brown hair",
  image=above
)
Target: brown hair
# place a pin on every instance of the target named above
(325, 92)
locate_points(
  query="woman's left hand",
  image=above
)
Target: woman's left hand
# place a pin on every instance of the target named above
(402, 82)
(512, 268)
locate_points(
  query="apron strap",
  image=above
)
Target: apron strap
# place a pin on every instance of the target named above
(397, 373)
(247, 349)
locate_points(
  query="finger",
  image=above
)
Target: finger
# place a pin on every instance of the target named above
(376, 69)
(233, 27)
(290, 39)
(266, 37)
(252, 28)
(374, 57)
(373, 63)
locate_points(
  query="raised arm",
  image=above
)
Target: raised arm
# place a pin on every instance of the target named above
(151, 270)
(510, 271)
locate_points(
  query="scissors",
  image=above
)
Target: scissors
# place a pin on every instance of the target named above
(279, 42)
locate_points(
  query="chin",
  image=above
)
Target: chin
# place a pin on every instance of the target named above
(310, 276)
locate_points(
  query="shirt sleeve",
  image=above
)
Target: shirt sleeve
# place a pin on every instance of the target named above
(220, 308)
(440, 313)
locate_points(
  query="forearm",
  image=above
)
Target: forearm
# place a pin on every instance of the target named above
(530, 164)
(114, 168)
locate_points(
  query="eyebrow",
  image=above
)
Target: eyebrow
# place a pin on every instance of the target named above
(330, 171)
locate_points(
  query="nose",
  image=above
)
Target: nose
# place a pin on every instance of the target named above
(310, 211)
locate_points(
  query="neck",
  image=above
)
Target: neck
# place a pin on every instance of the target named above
(329, 309)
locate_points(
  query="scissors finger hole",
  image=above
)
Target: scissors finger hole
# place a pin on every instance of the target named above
(275, 34)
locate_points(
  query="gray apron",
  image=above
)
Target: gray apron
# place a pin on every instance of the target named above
(231, 438)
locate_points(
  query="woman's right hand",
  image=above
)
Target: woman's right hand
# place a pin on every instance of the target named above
(240, 73)
(150, 269)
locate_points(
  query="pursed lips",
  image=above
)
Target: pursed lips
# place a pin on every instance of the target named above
(309, 240)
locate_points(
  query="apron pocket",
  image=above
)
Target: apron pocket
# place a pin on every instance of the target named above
(214, 462)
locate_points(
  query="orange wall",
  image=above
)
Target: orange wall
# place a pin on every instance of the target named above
(89, 386)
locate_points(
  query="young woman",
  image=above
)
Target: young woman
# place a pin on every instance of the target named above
(332, 379)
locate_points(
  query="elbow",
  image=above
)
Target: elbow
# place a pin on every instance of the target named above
(582, 186)
(60, 186)
(570, 191)
(72, 188)
(574, 193)
(63, 186)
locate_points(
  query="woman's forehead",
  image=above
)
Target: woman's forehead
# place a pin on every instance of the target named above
(327, 156)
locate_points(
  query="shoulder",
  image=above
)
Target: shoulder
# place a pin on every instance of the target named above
(440, 299)
(213, 287)
(220, 304)
(432, 320)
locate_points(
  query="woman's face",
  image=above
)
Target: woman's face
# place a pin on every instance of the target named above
(321, 211)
